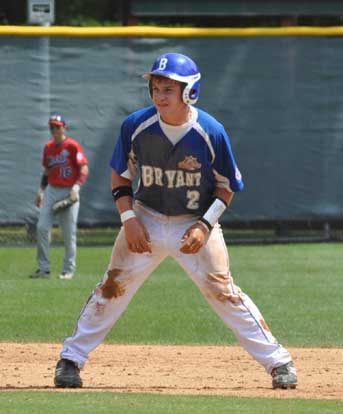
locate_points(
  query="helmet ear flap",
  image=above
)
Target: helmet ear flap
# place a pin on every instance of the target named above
(191, 93)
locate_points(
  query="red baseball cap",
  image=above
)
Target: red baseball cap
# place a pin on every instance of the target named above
(57, 119)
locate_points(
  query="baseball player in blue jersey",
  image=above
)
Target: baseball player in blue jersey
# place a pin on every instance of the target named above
(188, 176)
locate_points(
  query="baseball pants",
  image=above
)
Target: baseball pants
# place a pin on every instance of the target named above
(68, 222)
(209, 269)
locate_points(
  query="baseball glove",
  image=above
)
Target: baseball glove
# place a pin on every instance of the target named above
(63, 204)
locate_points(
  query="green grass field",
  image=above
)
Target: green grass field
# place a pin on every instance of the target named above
(297, 287)
(107, 402)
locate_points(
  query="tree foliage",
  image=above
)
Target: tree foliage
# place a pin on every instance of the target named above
(80, 12)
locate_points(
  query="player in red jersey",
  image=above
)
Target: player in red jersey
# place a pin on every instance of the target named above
(65, 171)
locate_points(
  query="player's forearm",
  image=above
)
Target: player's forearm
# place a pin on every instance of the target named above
(83, 175)
(42, 187)
(224, 194)
(81, 179)
(223, 198)
(43, 181)
(124, 202)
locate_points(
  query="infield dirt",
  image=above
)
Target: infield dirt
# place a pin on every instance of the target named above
(202, 370)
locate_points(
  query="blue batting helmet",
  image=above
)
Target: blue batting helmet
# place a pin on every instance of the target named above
(180, 68)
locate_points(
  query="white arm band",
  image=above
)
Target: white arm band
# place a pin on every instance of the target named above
(212, 215)
(127, 215)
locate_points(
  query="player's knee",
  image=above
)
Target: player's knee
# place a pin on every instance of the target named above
(101, 302)
(221, 287)
(111, 287)
(42, 227)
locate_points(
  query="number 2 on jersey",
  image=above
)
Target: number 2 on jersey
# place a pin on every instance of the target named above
(193, 198)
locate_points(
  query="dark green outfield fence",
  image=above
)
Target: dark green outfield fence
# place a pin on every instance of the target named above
(280, 99)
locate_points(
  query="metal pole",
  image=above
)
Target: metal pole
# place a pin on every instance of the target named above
(327, 231)
(44, 57)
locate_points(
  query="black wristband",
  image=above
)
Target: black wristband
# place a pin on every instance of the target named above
(44, 181)
(207, 224)
(122, 191)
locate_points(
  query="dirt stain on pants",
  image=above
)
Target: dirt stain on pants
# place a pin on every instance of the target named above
(223, 288)
(112, 288)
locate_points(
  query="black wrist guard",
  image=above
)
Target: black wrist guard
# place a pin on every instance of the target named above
(122, 191)
(44, 181)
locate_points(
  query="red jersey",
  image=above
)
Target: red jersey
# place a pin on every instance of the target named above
(62, 162)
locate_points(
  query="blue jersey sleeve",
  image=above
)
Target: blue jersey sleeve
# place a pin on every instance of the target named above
(225, 168)
(120, 160)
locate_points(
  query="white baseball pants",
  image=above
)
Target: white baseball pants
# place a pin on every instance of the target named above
(209, 269)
